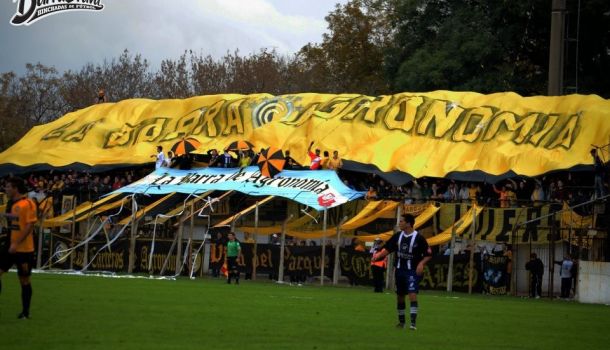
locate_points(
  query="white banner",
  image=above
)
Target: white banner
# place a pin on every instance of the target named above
(318, 189)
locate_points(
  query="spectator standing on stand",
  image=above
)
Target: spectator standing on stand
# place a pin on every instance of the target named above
(599, 174)
(335, 163)
(291, 164)
(160, 158)
(324, 161)
(226, 159)
(315, 158)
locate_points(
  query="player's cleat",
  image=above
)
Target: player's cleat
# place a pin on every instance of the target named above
(23, 316)
(401, 326)
(413, 328)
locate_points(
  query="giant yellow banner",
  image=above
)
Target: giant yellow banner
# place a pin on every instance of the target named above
(423, 134)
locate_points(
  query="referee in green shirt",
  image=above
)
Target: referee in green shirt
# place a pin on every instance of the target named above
(233, 251)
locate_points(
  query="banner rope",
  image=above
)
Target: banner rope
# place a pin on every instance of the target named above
(207, 201)
(88, 239)
(119, 234)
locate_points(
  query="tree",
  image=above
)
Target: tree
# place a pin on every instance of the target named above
(173, 80)
(593, 47)
(13, 123)
(37, 94)
(350, 57)
(489, 46)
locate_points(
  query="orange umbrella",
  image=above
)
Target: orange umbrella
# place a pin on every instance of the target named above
(240, 146)
(186, 146)
(271, 161)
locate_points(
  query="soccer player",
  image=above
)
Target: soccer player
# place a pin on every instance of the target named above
(233, 251)
(21, 217)
(412, 254)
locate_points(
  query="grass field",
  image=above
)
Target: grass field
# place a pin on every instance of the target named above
(76, 312)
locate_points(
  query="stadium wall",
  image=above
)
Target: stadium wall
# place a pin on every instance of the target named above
(593, 282)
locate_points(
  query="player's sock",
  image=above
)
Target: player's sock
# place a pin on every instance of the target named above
(400, 307)
(413, 312)
(26, 298)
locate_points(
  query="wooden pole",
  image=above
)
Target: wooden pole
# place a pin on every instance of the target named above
(435, 225)
(282, 247)
(179, 248)
(514, 257)
(451, 255)
(40, 239)
(337, 268)
(389, 277)
(515, 262)
(191, 235)
(166, 261)
(51, 250)
(86, 247)
(132, 239)
(73, 232)
(569, 240)
(472, 246)
(550, 260)
(323, 247)
(255, 248)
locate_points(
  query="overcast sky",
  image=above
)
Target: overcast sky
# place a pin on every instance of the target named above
(160, 29)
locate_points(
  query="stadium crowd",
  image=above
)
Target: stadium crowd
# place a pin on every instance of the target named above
(571, 187)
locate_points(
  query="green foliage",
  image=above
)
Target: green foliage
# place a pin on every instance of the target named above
(350, 57)
(489, 46)
(72, 312)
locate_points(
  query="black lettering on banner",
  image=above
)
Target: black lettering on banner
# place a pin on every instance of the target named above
(531, 229)
(217, 179)
(490, 213)
(79, 135)
(319, 190)
(470, 130)
(148, 130)
(185, 125)
(209, 119)
(303, 116)
(237, 176)
(332, 108)
(401, 113)
(442, 116)
(457, 214)
(507, 225)
(234, 118)
(421, 116)
(168, 180)
(357, 108)
(57, 132)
